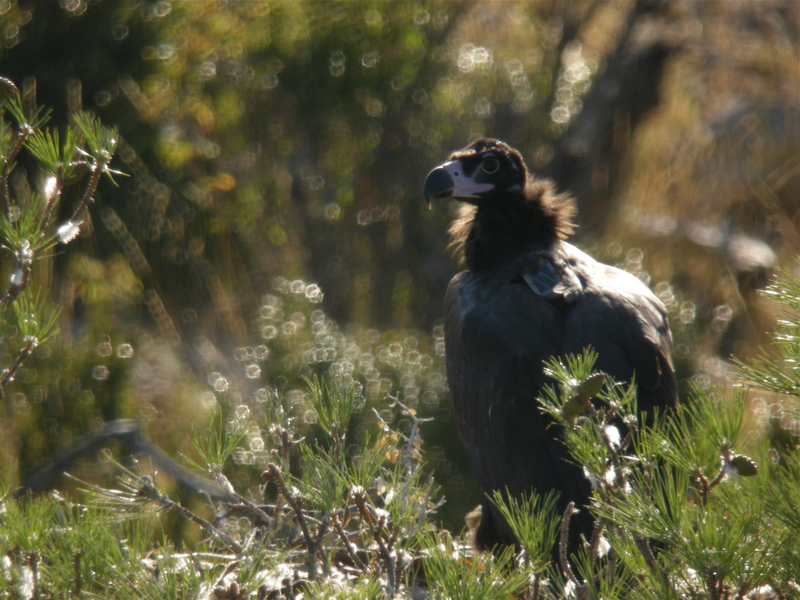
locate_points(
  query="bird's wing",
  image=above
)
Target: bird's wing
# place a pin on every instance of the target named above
(497, 335)
(625, 323)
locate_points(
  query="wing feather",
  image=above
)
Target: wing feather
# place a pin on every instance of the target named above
(626, 324)
(496, 346)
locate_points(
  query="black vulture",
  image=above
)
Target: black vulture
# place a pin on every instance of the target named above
(525, 296)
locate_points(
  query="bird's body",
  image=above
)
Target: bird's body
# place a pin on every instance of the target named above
(528, 295)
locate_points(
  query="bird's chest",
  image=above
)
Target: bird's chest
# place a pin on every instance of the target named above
(497, 337)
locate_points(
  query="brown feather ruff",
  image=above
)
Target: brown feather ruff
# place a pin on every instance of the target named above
(558, 212)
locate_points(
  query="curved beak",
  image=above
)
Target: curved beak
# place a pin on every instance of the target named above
(449, 181)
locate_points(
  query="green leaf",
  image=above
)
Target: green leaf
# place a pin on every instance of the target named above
(57, 156)
(30, 122)
(216, 445)
(535, 522)
(102, 141)
(35, 316)
(778, 369)
(452, 575)
(334, 406)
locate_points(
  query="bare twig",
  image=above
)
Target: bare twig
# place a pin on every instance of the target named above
(251, 507)
(128, 432)
(76, 563)
(25, 131)
(21, 273)
(387, 553)
(563, 542)
(10, 373)
(594, 544)
(378, 523)
(52, 198)
(97, 167)
(649, 557)
(413, 437)
(322, 531)
(348, 546)
(725, 458)
(273, 473)
(32, 559)
(148, 490)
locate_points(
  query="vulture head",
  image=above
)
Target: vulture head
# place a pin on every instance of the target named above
(506, 209)
(485, 170)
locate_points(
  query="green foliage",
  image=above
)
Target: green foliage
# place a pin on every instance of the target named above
(273, 139)
(362, 589)
(54, 544)
(28, 121)
(779, 371)
(450, 576)
(215, 446)
(26, 230)
(693, 504)
(101, 141)
(676, 517)
(590, 425)
(17, 235)
(36, 318)
(535, 523)
(334, 408)
(30, 524)
(56, 155)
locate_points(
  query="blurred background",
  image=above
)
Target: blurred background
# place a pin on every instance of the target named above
(272, 225)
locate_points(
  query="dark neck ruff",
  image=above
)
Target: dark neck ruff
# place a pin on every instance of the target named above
(506, 227)
(499, 235)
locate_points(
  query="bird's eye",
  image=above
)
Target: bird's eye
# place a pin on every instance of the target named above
(490, 165)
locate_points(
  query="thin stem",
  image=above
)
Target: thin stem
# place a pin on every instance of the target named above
(387, 554)
(649, 557)
(337, 526)
(20, 275)
(563, 541)
(148, 490)
(273, 473)
(717, 480)
(25, 131)
(253, 508)
(703, 486)
(51, 201)
(594, 544)
(411, 439)
(10, 373)
(726, 458)
(76, 563)
(33, 559)
(97, 167)
(287, 442)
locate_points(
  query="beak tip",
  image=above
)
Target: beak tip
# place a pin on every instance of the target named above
(437, 185)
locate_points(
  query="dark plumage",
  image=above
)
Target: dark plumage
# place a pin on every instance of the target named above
(527, 295)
